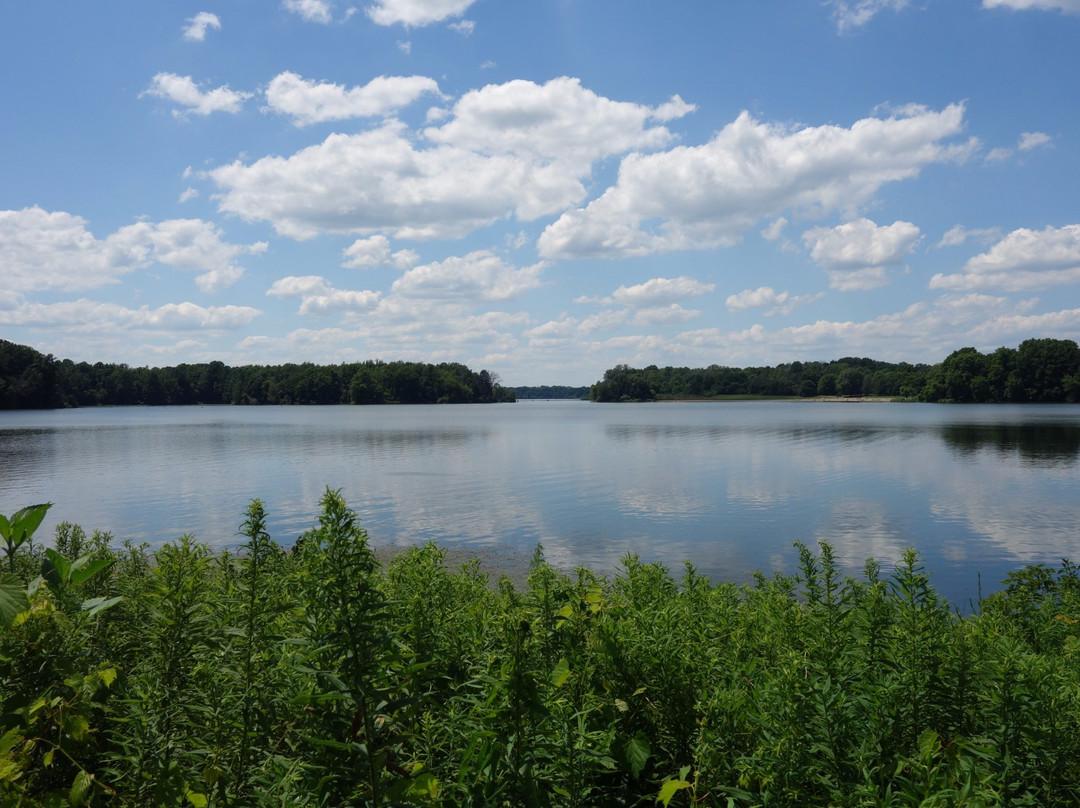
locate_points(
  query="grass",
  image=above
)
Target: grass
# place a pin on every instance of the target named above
(318, 676)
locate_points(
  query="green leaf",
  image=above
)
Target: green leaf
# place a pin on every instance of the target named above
(668, 789)
(87, 567)
(12, 597)
(637, 754)
(28, 519)
(424, 785)
(55, 569)
(80, 788)
(561, 673)
(95, 605)
(195, 798)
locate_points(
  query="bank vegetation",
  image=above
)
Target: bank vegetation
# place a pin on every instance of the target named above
(313, 676)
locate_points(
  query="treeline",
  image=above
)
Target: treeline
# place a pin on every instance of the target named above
(32, 380)
(552, 391)
(850, 376)
(313, 676)
(1039, 370)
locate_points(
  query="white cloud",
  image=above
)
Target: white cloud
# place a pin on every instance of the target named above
(856, 254)
(660, 291)
(1071, 6)
(558, 121)
(664, 315)
(379, 181)
(368, 253)
(198, 25)
(309, 10)
(775, 229)
(1033, 140)
(856, 14)
(183, 91)
(93, 316)
(464, 27)
(480, 275)
(917, 333)
(958, 234)
(673, 109)
(769, 299)
(42, 250)
(1023, 260)
(309, 102)
(196, 245)
(318, 297)
(1026, 142)
(187, 195)
(405, 46)
(416, 12)
(707, 196)
(517, 149)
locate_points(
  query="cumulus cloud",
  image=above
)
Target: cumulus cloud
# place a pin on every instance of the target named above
(765, 297)
(920, 331)
(368, 253)
(319, 297)
(1023, 260)
(480, 275)
(42, 250)
(463, 27)
(184, 92)
(187, 195)
(518, 149)
(308, 102)
(660, 291)
(309, 10)
(851, 15)
(856, 254)
(705, 196)
(416, 12)
(197, 26)
(89, 315)
(1070, 6)
(557, 121)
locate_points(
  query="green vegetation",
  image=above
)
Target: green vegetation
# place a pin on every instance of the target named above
(842, 377)
(1040, 370)
(31, 380)
(313, 676)
(552, 391)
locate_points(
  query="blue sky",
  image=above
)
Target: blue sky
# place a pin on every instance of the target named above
(543, 189)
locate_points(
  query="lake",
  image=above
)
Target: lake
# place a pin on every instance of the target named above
(978, 490)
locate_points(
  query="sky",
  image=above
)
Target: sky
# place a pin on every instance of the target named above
(544, 189)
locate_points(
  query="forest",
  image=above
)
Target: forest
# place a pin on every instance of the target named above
(32, 380)
(1039, 370)
(312, 675)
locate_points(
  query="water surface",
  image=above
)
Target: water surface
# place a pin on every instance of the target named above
(728, 486)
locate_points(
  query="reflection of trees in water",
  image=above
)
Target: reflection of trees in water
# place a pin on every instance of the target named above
(1042, 444)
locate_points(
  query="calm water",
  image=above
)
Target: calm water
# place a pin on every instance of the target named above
(728, 486)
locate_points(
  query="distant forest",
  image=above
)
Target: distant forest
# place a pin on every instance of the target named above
(32, 380)
(1040, 370)
(552, 391)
